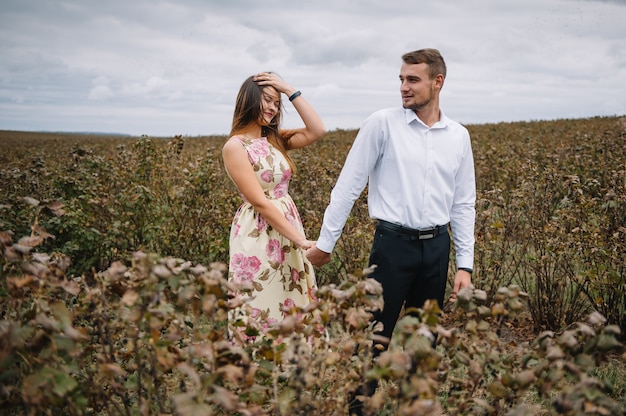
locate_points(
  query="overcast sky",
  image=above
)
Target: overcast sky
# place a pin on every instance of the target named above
(171, 67)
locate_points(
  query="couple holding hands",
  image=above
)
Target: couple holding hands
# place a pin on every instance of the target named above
(418, 166)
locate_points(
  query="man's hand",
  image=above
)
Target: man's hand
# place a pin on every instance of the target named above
(461, 279)
(317, 257)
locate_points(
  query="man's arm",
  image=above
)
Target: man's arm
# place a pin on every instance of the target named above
(463, 212)
(462, 218)
(361, 159)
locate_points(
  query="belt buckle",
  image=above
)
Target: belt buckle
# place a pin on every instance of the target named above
(428, 236)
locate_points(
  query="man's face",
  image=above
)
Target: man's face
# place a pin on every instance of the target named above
(416, 86)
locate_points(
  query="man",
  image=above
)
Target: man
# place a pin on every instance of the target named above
(420, 170)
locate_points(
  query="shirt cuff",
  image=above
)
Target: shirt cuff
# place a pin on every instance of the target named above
(325, 246)
(466, 262)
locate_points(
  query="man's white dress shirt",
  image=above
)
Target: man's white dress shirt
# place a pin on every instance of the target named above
(419, 177)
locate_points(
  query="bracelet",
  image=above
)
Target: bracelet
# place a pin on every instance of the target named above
(294, 95)
(466, 269)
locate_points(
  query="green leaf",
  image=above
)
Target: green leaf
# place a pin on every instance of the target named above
(63, 383)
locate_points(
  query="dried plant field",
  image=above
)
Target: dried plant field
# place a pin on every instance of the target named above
(113, 298)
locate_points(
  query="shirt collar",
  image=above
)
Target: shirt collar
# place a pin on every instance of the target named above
(441, 124)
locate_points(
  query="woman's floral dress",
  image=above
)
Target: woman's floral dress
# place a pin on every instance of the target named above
(278, 270)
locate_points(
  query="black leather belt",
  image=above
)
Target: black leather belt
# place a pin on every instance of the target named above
(418, 234)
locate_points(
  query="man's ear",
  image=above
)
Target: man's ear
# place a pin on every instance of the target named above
(439, 79)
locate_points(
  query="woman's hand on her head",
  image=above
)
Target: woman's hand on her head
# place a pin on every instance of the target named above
(273, 80)
(313, 125)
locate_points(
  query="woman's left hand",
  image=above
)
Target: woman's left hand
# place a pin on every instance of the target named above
(273, 80)
(313, 125)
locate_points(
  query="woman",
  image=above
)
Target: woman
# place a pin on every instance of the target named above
(267, 241)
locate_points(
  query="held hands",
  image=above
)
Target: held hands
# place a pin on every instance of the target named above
(461, 279)
(273, 80)
(317, 257)
(304, 244)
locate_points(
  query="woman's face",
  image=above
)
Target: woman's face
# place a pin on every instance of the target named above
(270, 104)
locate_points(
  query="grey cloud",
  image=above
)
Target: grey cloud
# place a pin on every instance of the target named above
(100, 92)
(174, 67)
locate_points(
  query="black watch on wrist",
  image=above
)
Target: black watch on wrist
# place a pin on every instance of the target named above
(466, 269)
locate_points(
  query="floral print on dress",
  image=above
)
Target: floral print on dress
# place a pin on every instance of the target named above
(261, 224)
(267, 176)
(257, 150)
(279, 271)
(280, 189)
(275, 252)
(243, 267)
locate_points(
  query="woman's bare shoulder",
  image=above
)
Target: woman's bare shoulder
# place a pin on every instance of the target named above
(233, 142)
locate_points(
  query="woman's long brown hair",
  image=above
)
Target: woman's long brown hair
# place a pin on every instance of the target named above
(248, 111)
